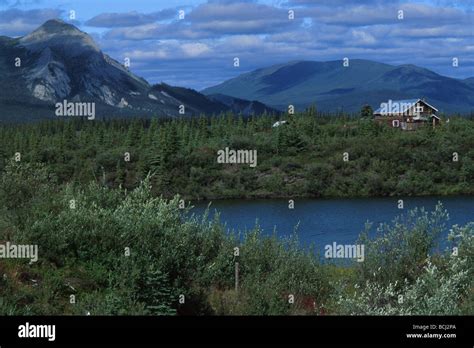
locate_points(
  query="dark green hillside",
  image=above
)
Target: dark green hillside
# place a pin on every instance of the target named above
(302, 159)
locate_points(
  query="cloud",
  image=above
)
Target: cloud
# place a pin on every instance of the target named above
(261, 35)
(240, 18)
(362, 15)
(234, 10)
(19, 3)
(167, 50)
(345, 3)
(198, 51)
(14, 22)
(213, 20)
(129, 19)
(442, 32)
(195, 49)
(158, 31)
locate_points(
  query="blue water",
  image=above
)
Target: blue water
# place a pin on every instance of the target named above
(324, 221)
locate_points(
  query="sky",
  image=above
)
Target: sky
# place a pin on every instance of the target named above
(198, 50)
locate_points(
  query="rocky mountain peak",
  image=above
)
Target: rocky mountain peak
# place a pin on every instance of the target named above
(56, 32)
(57, 25)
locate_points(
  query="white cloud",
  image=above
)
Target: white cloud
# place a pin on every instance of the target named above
(195, 49)
(14, 22)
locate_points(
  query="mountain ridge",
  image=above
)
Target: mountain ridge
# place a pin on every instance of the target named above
(333, 87)
(57, 62)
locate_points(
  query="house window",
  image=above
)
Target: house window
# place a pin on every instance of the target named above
(418, 110)
(395, 123)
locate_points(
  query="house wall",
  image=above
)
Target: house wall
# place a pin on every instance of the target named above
(406, 122)
(427, 110)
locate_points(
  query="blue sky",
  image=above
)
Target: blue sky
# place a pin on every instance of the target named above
(199, 50)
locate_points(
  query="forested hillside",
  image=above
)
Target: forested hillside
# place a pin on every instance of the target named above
(303, 158)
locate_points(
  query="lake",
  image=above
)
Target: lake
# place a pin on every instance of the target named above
(324, 221)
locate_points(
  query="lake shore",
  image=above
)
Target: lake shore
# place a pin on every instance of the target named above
(189, 198)
(323, 221)
(131, 253)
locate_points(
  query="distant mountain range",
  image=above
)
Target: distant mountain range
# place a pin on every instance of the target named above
(333, 87)
(59, 62)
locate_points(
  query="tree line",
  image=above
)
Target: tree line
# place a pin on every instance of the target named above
(311, 155)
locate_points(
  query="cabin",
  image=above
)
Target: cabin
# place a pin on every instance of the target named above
(408, 114)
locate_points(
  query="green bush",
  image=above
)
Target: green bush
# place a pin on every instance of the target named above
(129, 252)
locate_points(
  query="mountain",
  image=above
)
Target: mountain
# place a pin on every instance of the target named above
(333, 87)
(245, 107)
(216, 103)
(59, 62)
(469, 81)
